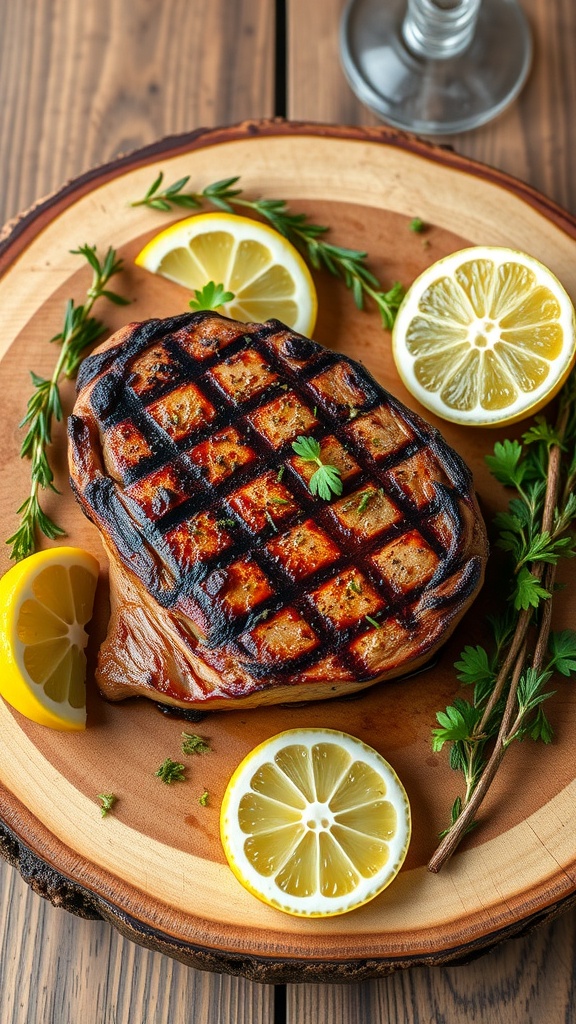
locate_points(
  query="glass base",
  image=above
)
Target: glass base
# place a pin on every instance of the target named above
(439, 96)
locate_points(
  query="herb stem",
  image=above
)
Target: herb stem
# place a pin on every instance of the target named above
(523, 669)
(44, 406)
(347, 264)
(518, 639)
(455, 834)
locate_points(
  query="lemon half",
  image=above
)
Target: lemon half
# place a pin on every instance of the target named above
(314, 822)
(266, 274)
(485, 336)
(46, 601)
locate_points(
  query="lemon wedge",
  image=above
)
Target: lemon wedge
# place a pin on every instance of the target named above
(314, 822)
(266, 274)
(46, 600)
(485, 336)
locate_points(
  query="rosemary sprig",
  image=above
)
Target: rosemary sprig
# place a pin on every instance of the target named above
(80, 330)
(347, 264)
(511, 680)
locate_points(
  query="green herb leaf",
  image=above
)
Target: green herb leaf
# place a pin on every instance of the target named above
(505, 464)
(543, 431)
(456, 723)
(474, 668)
(529, 591)
(373, 622)
(308, 448)
(347, 264)
(562, 649)
(326, 480)
(108, 800)
(511, 683)
(193, 744)
(211, 296)
(365, 499)
(203, 801)
(417, 225)
(80, 330)
(170, 771)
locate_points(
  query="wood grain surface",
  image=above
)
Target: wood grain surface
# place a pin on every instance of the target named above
(80, 82)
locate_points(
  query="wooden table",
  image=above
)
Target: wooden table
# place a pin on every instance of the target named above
(81, 82)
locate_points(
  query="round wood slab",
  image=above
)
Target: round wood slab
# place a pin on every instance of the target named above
(154, 867)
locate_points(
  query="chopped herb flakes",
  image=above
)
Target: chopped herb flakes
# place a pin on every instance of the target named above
(170, 771)
(193, 744)
(108, 801)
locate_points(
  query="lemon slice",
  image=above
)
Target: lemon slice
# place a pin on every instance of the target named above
(264, 272)
(46, 600)
(485, 336)
(314, 822)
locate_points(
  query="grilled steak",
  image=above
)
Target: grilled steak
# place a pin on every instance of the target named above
(231, 583)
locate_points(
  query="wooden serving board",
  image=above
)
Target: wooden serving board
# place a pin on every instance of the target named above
(155, 867)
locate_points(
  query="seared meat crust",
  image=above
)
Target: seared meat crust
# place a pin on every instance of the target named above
(231, 584)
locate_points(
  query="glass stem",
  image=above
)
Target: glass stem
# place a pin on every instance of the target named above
(439, 29)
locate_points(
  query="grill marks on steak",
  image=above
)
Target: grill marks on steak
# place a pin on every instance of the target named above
(181, 453)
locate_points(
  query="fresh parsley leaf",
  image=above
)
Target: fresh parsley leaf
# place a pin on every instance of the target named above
(540, 727)
(530, 688)
(211, 296)
(562, 648)
(456, 723)
(203, 801)
(308, 448)
(529, 590)
(505, 463)
(542, 431)
(326, 480)
(474, 668)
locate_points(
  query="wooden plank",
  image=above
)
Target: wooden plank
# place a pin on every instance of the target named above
(82, 82)
(530, 979)
(535, 139)
(56, 967)
(112, 859)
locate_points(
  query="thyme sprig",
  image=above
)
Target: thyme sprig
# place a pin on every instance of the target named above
(79, 331)
(347, 264)
(510, 680)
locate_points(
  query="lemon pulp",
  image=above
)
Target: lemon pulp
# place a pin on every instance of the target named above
(485, 336)
(315, 823)
(265, 273)
(46, 601)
